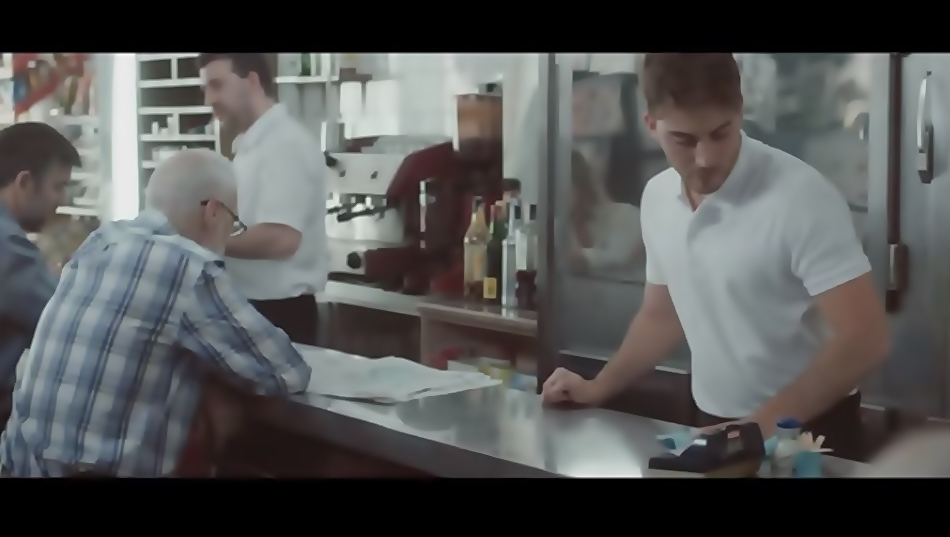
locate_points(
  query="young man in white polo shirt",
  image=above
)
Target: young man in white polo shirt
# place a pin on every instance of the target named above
(752, 255)
(279, 261)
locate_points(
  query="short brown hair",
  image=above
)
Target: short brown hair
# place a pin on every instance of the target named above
(691, 80)
(243, 64)
(33, 146)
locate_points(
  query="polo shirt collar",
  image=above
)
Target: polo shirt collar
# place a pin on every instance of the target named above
(732, 187)
(256, 133)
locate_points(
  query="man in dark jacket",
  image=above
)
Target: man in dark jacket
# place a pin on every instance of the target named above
(35, 166)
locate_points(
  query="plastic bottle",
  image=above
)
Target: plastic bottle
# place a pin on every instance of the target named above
(787, 447)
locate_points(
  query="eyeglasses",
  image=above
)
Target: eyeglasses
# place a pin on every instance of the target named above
(239, 226)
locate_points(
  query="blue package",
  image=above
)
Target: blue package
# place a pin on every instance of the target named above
(808, 465)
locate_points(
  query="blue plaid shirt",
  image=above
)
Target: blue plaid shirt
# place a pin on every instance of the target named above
(107, 385)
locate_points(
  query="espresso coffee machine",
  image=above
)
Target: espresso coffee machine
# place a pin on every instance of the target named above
(399, 206)
(369, 234)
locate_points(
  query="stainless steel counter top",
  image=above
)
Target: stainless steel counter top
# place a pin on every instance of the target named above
(487, 316)
(493, 432)
(370, 297)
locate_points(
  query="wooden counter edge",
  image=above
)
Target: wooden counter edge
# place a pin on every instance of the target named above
(486, 320)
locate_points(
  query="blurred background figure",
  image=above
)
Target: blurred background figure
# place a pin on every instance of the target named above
(920, 454)
(606, 234)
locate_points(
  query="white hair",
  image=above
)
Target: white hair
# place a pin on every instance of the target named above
(180, 183)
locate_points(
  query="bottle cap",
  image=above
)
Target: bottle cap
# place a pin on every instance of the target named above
(789, 423)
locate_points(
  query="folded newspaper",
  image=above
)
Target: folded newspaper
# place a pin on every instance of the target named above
(383, 380)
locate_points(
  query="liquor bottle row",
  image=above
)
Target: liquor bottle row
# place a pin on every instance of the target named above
(501, 248)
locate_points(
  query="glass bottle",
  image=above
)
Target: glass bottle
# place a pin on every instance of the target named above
(475, 252)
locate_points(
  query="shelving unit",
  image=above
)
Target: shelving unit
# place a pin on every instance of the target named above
(172, 114)
(328, 70)
(81, 130)
(83, 208)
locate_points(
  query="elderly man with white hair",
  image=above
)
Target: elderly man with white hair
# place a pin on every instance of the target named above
(143, 317)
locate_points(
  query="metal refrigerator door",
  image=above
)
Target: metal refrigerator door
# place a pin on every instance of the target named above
(915, 378)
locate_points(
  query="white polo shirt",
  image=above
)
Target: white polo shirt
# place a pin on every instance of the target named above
(280, 172)
(743, 270)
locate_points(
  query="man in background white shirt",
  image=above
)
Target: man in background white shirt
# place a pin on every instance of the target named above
(279, 262)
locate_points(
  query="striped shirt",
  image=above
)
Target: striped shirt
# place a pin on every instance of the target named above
(114, 375)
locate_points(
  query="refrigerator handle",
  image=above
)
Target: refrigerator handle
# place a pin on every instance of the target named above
(898, 255)
(925, 136)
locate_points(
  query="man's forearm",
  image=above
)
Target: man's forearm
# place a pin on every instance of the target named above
(649, 340)
(262, 241)
(837, 369)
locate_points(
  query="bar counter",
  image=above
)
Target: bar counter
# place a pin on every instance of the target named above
(483, 316)
(493, 432)
(420, 328)
(368, 297)
(454, 310)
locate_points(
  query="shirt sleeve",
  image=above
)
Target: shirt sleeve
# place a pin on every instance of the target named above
(220, 325)
(292, 182)
(654, 272)
(824, 248)
(26, 284)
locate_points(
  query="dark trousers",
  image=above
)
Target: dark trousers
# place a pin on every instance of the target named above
(840, 425)
(6, 406)
(296, 316)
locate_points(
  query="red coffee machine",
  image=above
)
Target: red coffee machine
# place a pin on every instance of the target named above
(427, 195)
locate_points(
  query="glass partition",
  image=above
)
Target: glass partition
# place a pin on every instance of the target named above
(603, 157)
(813, 106)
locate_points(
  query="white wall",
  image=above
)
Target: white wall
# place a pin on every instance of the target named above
(418, 98)
(523, 116)
(415, 95)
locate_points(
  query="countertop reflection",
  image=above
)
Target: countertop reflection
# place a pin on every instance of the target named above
(512, 320)
(492, 432)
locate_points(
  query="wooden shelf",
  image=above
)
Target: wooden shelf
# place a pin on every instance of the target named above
(303, 79)
(170, 83)
(173, 138)
(170, 110)
(78, 211)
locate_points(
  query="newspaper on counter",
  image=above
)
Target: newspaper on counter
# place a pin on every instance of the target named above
(388, 380)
